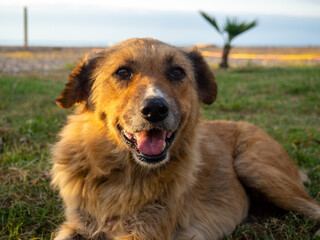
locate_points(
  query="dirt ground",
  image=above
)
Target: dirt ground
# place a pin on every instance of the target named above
(264, 56)
(14, 60)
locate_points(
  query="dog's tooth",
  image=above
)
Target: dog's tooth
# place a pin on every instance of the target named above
(163, 146)
(128, 135)
(169, 134)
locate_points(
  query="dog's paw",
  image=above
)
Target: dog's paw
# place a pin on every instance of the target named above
(69, 237)
(67, 233)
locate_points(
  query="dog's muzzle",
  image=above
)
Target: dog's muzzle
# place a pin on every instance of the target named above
(151, 144)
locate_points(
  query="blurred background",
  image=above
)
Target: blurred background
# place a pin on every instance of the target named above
(102, 23)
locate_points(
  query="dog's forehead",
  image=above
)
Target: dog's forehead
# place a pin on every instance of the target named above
(147, 50)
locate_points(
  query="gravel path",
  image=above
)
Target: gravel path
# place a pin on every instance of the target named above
(14, 60)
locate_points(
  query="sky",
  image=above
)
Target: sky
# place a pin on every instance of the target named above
(104, 22)
(310, 8)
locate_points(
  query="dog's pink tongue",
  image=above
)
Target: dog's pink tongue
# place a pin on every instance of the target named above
(151, 142)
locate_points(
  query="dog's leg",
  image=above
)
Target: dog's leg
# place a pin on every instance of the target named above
(217, 219)
(66, 232)
(264, 166)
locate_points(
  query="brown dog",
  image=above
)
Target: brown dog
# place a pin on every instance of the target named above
(135, 162)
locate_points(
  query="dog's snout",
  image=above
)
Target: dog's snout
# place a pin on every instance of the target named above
(155, 109)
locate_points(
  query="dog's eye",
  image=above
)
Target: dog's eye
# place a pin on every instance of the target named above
(176, 73)
(124, 73)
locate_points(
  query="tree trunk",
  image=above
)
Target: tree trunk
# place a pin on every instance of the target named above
(224, 62)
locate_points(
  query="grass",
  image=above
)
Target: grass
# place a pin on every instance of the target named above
(29, 121)
(283, 101)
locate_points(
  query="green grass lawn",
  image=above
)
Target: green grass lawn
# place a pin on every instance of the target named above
(285, 102)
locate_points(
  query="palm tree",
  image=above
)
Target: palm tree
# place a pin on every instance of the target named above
(232, 28)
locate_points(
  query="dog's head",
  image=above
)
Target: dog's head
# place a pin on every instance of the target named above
(146, 92)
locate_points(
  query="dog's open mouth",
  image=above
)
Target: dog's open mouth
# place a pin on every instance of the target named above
(150, 146)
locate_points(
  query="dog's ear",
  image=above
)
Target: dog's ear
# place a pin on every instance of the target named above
(79, 85)
(206, 83)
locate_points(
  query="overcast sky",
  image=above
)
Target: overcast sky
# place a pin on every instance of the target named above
(310, 8)
(104, 22)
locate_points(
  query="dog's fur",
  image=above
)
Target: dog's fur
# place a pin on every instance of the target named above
(198, 190)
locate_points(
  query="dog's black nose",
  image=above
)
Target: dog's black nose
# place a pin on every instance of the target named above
(155, 109)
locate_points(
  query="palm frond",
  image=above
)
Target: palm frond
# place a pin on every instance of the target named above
(233, 27)
(211, 20)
